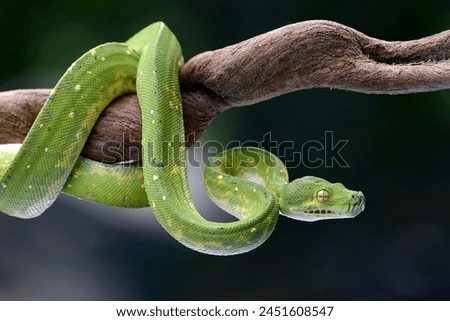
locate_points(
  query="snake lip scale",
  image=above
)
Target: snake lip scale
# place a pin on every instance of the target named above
(354, 209)
(249, 183)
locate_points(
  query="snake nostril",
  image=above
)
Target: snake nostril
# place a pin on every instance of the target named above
(358, 198)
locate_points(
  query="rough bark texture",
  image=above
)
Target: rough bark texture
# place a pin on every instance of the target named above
(298, 56)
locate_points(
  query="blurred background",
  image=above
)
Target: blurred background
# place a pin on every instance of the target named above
(398, 155)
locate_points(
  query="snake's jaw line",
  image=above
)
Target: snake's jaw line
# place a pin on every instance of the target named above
(320, 215)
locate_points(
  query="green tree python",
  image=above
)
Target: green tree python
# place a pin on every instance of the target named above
(249, 183)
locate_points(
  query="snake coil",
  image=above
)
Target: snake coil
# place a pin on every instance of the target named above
(250, 183)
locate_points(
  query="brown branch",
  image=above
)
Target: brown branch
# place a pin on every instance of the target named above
(298, 56)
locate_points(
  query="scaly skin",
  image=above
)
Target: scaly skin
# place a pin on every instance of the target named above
(253, 185)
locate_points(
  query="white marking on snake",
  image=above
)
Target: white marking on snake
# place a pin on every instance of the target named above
(77, 88)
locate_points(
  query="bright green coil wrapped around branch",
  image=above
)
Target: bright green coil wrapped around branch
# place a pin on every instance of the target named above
(249, 183)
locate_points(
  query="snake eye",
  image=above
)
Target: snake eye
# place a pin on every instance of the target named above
(322, 196)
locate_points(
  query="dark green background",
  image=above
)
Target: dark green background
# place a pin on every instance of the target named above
(398, 153)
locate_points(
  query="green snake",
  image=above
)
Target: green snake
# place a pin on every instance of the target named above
(250, 183)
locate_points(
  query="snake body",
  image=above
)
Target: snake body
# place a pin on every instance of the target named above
(250, 183)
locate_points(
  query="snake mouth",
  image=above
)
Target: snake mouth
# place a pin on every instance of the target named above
(311, 215)
(323, 214)
(318, 215)
(320, 212)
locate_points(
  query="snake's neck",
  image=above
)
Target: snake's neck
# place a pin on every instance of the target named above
(277, 186)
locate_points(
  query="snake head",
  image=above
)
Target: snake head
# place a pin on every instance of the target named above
(312, 198)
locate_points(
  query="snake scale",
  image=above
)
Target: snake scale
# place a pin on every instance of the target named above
(249, 183)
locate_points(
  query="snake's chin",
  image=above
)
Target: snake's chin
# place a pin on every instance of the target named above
(320, 215)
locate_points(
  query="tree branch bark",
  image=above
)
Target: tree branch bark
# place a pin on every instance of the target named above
(304, 55)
